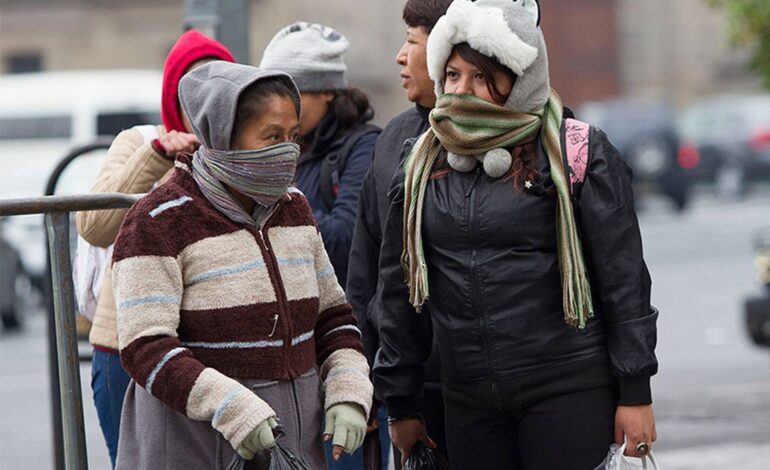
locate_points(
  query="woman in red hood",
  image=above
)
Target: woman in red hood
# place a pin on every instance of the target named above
(139, 159)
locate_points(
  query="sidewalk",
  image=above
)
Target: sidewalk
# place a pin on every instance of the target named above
(729, 456)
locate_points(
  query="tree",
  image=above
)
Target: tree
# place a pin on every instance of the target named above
(749, 26)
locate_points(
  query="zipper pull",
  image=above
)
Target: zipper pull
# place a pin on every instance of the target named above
(473, 185)
(262, 237)
(275, 324)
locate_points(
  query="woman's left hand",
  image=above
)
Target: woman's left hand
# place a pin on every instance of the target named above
(345, 427)
(637, 424)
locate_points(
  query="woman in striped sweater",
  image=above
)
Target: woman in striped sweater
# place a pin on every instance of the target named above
(230, 317)
(139, 159)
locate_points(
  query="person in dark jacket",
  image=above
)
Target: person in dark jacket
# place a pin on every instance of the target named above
(420, 16)
(547, 341)
(332, 113)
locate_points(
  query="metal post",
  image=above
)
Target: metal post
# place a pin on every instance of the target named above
(75, 456)
(227, 21)
(53, 371)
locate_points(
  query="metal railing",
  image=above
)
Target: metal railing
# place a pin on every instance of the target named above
(71, 432)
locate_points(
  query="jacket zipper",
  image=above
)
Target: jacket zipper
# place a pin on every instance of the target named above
(475, 294)
(280, 294)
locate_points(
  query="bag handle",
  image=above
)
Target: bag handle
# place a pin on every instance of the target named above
(649, 457)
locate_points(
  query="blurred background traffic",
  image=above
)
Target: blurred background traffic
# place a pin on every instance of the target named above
(681, 88)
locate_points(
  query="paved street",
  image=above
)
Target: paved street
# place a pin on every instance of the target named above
(712, 395)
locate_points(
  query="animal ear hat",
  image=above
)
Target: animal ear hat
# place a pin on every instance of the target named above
(505, 30)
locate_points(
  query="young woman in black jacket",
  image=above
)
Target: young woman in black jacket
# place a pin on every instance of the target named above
(538, 292)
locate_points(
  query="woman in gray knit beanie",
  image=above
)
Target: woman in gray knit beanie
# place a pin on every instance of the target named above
(336, 142)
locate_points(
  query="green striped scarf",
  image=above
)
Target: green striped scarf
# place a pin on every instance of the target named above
(467, 125)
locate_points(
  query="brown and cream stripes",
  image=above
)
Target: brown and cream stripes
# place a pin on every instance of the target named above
(203, 300)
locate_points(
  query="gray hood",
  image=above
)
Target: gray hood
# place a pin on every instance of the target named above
(209, 98)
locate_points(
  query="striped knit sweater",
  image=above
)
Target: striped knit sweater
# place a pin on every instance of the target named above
(203, 300)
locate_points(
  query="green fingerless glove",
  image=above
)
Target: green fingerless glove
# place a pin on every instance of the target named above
(258, 440)
(347, 423)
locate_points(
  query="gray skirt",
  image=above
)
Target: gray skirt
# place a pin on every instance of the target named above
(154, 436)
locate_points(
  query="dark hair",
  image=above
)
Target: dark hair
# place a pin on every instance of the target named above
(251, 103)
(351, 106)
(424, 13)
(488, 66)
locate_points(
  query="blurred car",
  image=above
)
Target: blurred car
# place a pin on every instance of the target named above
(644, 131)
(729, 137)
(42, 117)
(758, 307)
(11, 271)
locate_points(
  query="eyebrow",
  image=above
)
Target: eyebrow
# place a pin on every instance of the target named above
(452, 68)
(277, 127)
(272, 127)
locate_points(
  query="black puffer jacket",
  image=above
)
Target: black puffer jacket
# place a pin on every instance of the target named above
(495, 292)
(370, 221)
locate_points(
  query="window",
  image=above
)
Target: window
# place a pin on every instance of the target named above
(24, 63)
(110, 124)
(47, 127)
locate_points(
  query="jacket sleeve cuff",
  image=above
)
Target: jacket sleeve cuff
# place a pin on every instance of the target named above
(345, 377)
(402, 407)
(161, 150)
(635, 391)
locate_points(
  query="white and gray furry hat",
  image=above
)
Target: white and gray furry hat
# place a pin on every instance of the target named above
(506, 30)
(311, 53)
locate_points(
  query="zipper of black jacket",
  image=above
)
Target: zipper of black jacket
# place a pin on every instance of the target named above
(475, 297)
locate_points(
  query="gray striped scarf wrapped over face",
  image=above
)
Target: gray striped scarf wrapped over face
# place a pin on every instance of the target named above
(264, 175)
(467, 125)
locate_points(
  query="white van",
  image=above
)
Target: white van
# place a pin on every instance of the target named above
(45, 115)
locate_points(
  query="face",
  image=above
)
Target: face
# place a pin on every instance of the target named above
(414, 68)
(464, 78)
(314, 108)
(277, 124)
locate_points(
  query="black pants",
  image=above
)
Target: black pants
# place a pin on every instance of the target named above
(432, 408)
(567, 432)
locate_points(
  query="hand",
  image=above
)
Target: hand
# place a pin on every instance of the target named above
(637, 424)
(258, 440)
(406, 433)
(346, 424)
(175, 142)
(374, 424)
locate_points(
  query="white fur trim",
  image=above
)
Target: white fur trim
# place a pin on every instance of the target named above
(485, 30)
(532, 8)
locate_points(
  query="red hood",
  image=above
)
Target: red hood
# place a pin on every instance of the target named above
(191, 47)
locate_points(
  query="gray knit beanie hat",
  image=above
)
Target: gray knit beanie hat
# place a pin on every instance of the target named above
(311, 53)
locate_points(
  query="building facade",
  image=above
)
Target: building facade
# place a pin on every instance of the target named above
(676, 50)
